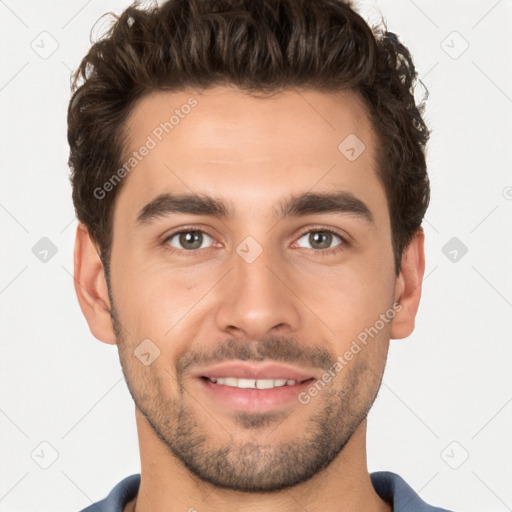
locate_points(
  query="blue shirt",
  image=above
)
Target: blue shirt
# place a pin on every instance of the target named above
(389, 486)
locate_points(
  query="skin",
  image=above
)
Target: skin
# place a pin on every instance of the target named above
(252, 153)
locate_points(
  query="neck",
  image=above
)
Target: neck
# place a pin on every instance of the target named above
(166, 485)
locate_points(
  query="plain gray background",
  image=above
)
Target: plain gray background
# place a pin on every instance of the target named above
(443, 417)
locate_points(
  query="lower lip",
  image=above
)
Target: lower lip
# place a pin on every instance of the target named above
(254, 400)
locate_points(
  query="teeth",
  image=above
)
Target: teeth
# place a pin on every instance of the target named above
(253, 383)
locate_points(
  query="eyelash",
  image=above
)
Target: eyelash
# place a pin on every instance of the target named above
(194, 252)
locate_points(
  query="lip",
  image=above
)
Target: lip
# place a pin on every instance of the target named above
(255, 371)
(252, 400)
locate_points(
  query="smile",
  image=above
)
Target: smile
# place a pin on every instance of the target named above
(252, 383)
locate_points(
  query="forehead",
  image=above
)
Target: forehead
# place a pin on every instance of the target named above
(250, 150)
(286, 117)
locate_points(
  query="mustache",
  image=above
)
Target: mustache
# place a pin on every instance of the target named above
(274, 348)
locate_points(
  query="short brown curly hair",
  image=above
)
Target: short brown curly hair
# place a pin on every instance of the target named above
(260, 46)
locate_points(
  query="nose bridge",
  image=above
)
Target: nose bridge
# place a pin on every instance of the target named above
(256, 300)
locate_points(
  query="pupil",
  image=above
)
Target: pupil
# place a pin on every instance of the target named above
(191, 237)
(317, 238)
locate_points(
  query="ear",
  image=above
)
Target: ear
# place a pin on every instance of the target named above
(408, 286)
(91, 287)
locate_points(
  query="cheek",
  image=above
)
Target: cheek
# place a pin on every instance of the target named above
(349, 297)
(154, 298)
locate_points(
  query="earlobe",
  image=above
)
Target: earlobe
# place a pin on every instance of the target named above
(91, 287)
(408, 286)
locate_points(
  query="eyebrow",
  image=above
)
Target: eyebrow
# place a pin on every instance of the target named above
(342, 202)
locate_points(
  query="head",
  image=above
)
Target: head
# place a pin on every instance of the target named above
(255, 127)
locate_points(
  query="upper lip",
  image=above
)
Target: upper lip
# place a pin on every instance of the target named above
(255, 371)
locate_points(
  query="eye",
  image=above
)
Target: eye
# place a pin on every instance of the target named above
(188, 240)
(322, 240)
(191, 240)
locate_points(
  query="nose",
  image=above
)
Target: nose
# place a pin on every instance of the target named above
(258, 299)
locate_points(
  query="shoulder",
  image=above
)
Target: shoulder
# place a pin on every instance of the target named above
(118, 497)
(394, 489)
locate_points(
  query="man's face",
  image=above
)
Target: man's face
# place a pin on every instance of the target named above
(253, 288)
